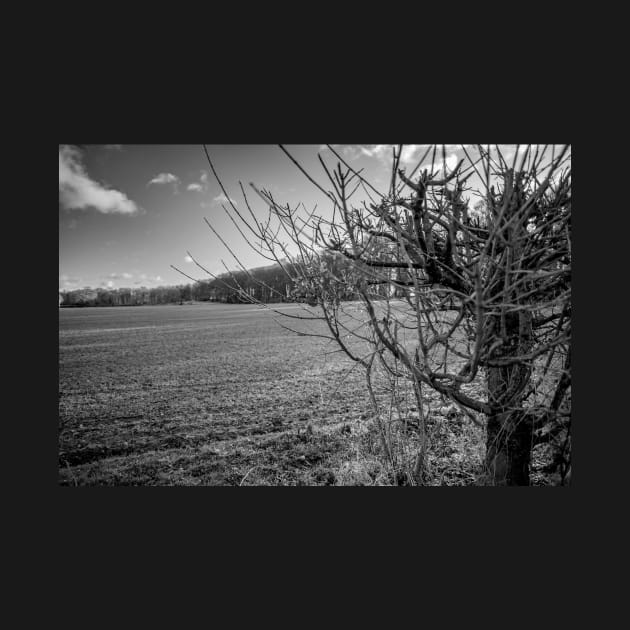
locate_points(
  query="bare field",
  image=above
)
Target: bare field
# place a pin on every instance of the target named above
(218, 394)
(200, 394)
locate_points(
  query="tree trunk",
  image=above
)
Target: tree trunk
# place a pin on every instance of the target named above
(509, 430)
(508, 449)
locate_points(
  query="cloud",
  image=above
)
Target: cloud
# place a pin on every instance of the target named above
(519, 154)
(164, 178)
(356, 151)
(120, 276)
(438, 165)
(66, 282)
(410, 154)
(108, 281)
(379, 151)
(188, 259)
(202, 185)
(351, 152)
(144, 276)
(144, 279)
(78, 191)
(223, 199)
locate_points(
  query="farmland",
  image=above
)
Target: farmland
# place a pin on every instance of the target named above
(220, 394)
(197, 394)
(207, 394)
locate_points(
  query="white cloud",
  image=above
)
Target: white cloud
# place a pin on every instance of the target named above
(77, 190)
(438, 165)
(355, 151)
(164, 178)
(67, 283)
(451, 162)
(453, 147)
(202, 185)
(380, 151)
(508, 156)
(410, 154)
(351, 152)
(120, 276)
(148, 280)
(223, 199)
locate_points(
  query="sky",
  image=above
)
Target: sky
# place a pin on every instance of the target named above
(129, 212)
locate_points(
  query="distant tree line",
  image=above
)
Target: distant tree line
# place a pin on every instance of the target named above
(264, 284)
(125, 296)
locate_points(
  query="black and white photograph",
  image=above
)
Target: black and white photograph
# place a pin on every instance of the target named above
(314, 315)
